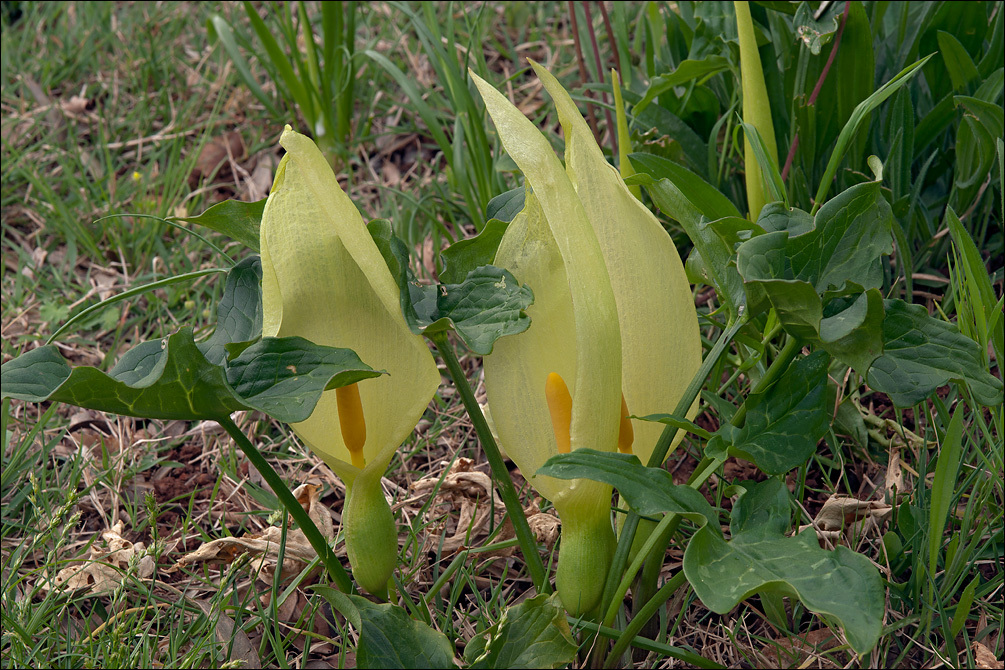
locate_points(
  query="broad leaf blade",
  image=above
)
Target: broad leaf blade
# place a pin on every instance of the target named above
(285, 376)
(840, 584)
(239, 314)
(784, 424)
(463, 256)
(388, 637)
(532, 634)
(922, 353)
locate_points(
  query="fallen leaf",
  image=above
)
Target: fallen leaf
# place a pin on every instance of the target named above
(985, 659)
(298, 551)
(216, 154)
(849, 517)
(103, 570)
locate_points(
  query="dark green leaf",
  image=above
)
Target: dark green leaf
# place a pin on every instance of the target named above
(774, 187)
(812, 33)
(506, 205)
(839, 584)
(697, 194)
(239, 314)
(238, 220)
(532, 634)
(285, 376)
(463, 256)
(163, 379)
(388, 637)
(975, 144)
(677, 422)
(649, 491)
(487, 305)
(922, 353)
(171, 379)
(784, 424)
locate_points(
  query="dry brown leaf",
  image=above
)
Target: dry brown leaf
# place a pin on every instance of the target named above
(985, 659)
(102, 571)
(298, 551)
(894, 480)
(847, 517)
(217, 153)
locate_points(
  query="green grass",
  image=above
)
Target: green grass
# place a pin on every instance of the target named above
(159, 93)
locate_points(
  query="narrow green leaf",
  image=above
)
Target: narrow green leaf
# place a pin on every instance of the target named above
(388, 637)
(963, 606)
(858, 115)
(774, 187)
(922, 353)
(238, 220)
(678, 422)
(944, 486)
(698, 193)
(839, 584)
(531, 634)
(218, 27)
(962, 70)
(976, 276)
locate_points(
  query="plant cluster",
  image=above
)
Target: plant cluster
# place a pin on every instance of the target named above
(596, 361)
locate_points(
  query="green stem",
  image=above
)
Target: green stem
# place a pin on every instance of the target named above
(660, 453)
(684, 655)
(289, 501)
(643, 616)
(528, 545)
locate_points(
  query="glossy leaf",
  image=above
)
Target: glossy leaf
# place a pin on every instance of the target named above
(922, 353)
(531, 634)
(506, 205)
(487, 304)
(839, 584)
(239, 313)
(686, 72)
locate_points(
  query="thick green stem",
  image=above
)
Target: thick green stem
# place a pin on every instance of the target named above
(289, 501)
(643, 615)
(528, 545)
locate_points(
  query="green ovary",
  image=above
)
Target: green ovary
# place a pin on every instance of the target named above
(371, 536)
(584, 557)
